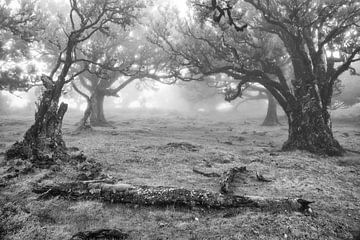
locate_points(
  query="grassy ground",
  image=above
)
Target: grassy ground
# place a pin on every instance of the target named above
(136, 151)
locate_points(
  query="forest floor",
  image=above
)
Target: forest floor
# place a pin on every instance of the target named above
(144, 149)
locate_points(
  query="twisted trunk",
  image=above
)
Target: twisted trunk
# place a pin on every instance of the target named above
(309, 120)
(310, 123)
(83, 124)
(43, 142)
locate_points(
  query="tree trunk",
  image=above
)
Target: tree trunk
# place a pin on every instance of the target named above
(166, 196)
(308, 130)
(271, 118)
(43, 142)
(97, 117)
(83, 124)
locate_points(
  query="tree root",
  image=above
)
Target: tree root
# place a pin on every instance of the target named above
(165, 196)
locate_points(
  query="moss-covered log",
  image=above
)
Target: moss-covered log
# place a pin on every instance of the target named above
(164, 196)
(113, 234)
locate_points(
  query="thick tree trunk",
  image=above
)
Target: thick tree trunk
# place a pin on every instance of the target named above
(166, 196)
(309, 119)
(97, 117)
(43, 142)
(308, 130)
(271, 118)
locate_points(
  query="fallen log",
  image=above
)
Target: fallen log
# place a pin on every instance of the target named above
(112, 234)
(228, 177)
(163, 196)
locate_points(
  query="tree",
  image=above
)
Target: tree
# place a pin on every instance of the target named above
(99, 81)
(127, 57)
(43, 142)
(271, 118)
(305, 30)
(221, 84)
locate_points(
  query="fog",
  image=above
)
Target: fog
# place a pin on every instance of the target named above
(190, 99)
(161, 99)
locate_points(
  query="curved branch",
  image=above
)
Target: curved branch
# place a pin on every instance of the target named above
(113, 92)
(80, 92)
(85, 84)
(345, 66)
(284, 98)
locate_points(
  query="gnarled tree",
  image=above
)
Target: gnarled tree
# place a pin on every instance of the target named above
(305, 30)
(43, 142)
(124, 59)
(106, 62)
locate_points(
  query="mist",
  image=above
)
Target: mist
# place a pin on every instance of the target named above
(161, 99)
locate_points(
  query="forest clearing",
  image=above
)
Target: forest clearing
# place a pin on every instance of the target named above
(139, 152)
(186, 119)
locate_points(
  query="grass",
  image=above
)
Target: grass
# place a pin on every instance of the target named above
(137, 151)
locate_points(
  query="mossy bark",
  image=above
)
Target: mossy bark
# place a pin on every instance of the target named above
(310, 123)
(97, 117)
(114, 234)
(164, 196)
(43, 143)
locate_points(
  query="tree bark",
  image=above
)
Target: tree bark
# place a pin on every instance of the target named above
(165, 196)
(114, 234)
(308, 130)
(97, 117)
(271, 118)
(43, 142)
(94, 110)
(83, 124)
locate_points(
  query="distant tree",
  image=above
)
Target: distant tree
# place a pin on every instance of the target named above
(219, 85)
(43, 142)
(271, 118)
(127, 58)
(95, 83)
(304, 31)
